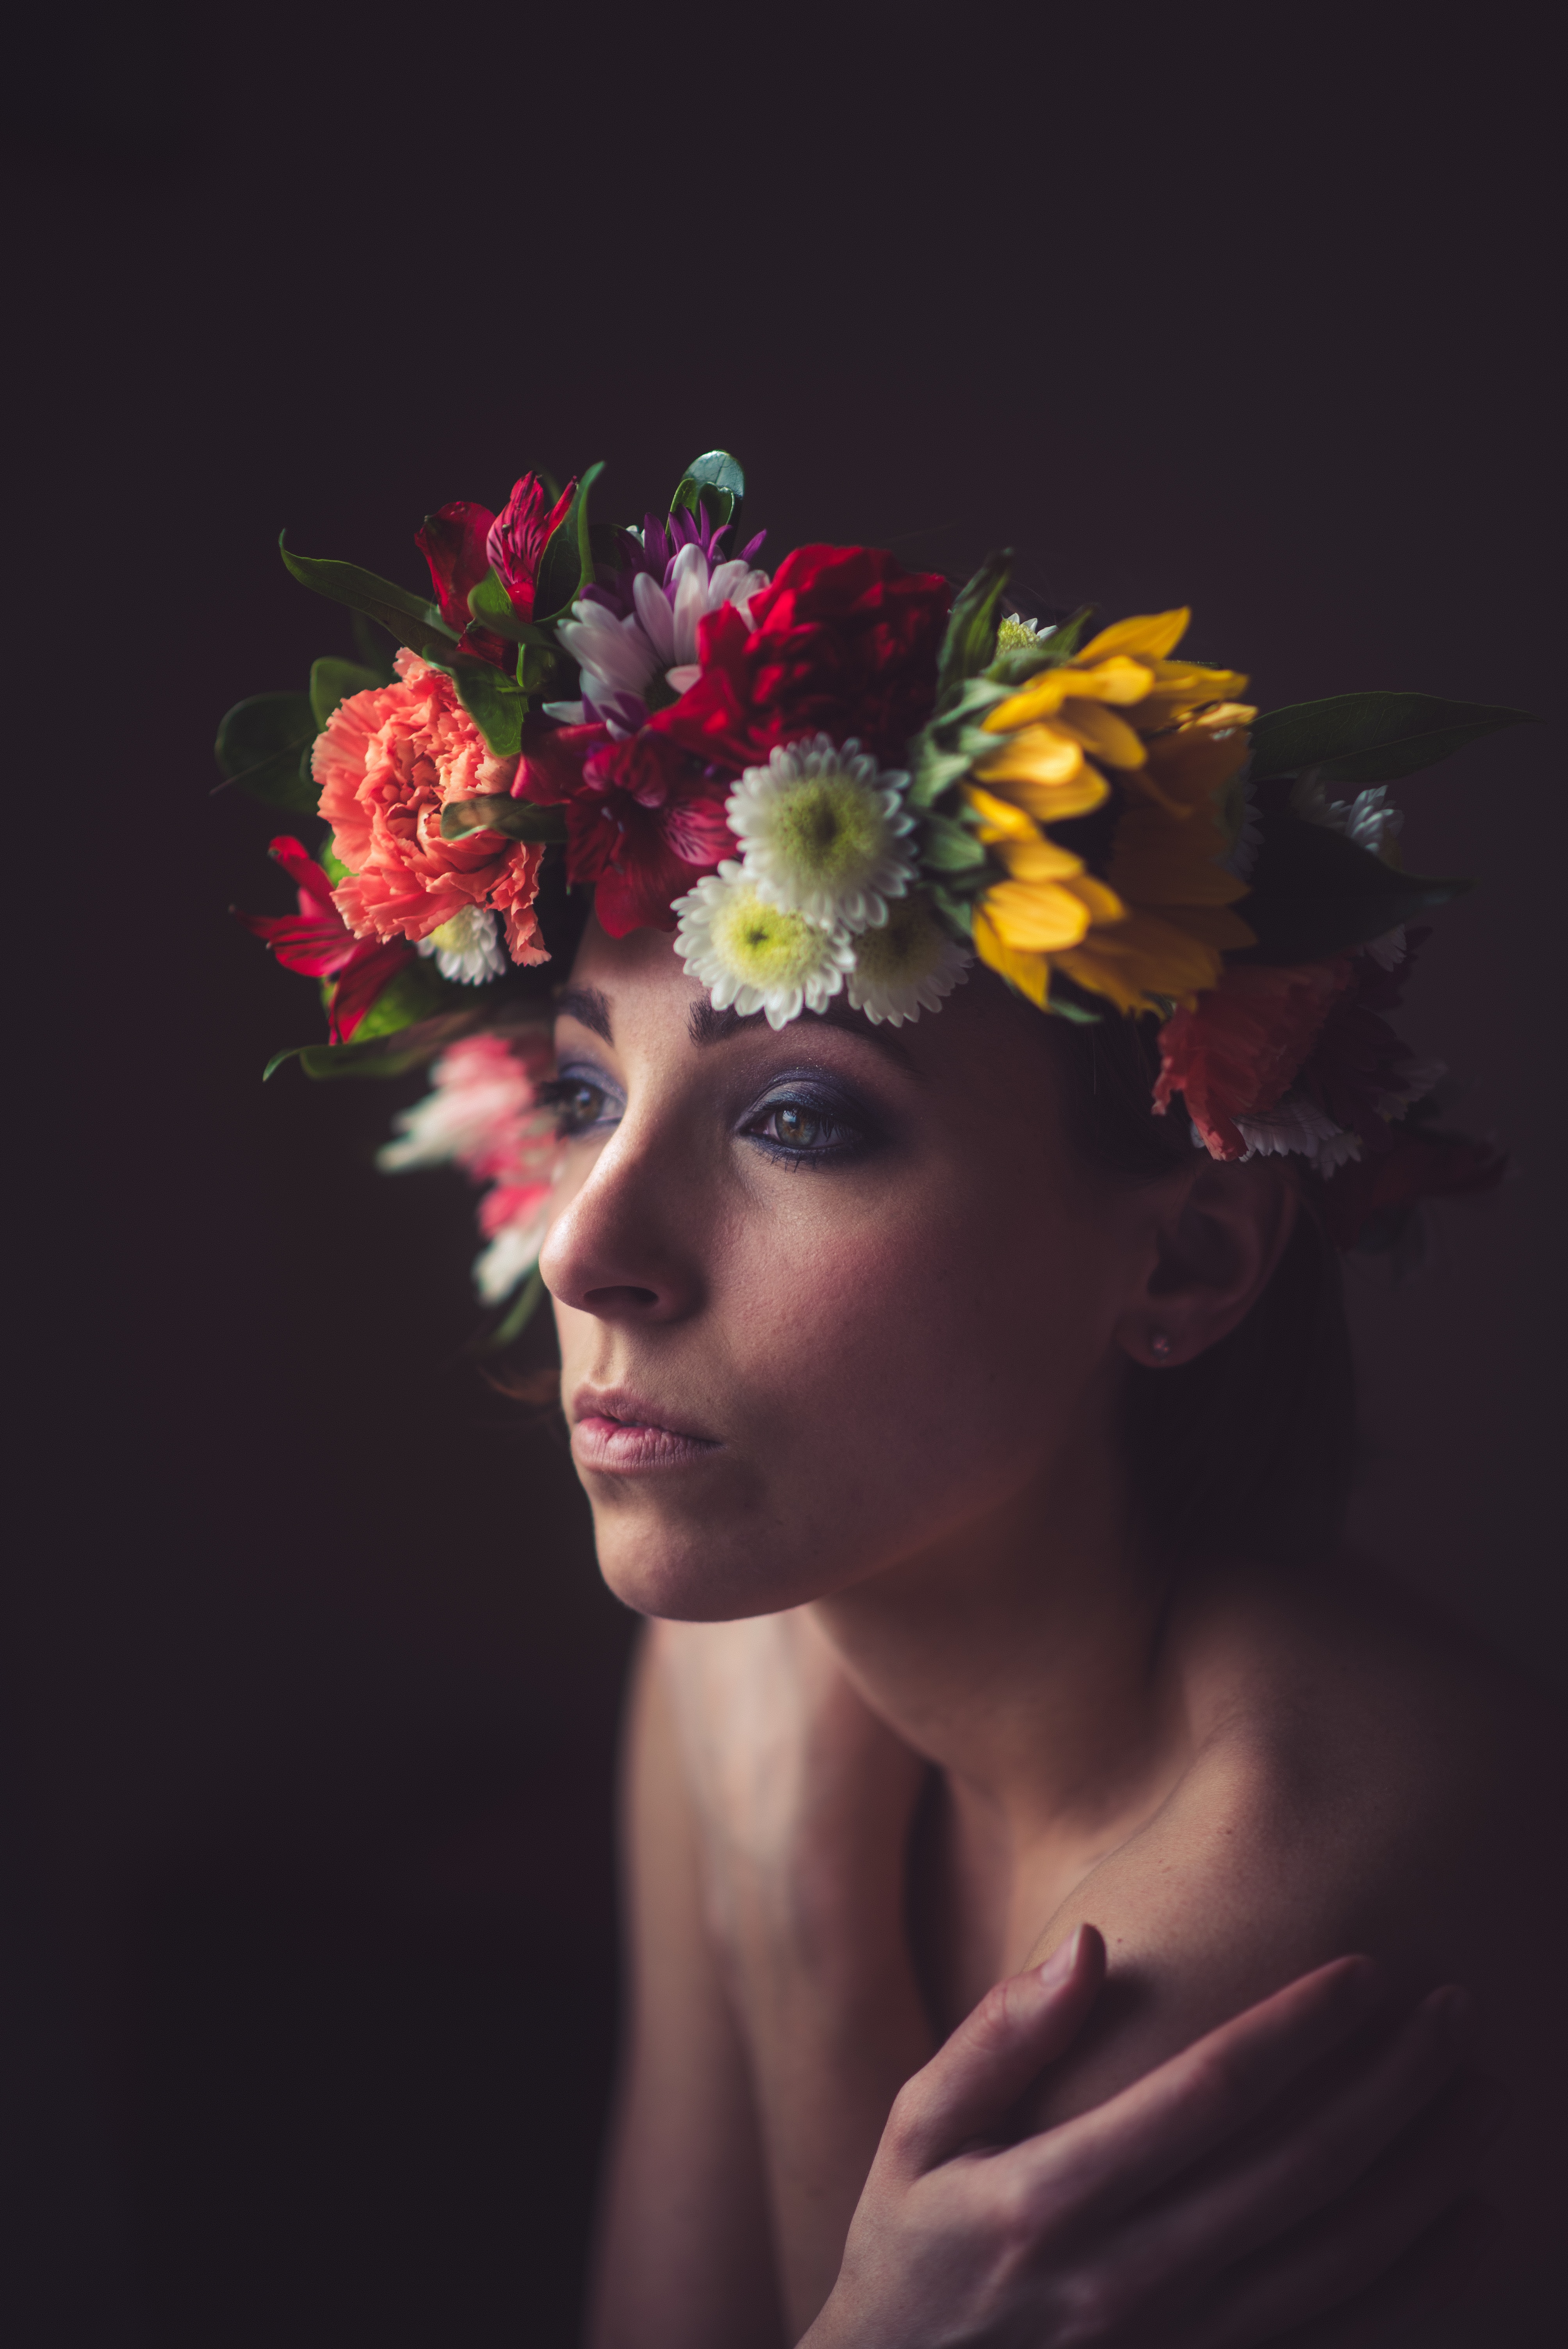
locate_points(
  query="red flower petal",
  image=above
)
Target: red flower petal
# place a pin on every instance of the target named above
(518, 535)
(1238, 1051)
(453, 542)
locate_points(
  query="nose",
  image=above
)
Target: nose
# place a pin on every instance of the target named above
(624, 1248)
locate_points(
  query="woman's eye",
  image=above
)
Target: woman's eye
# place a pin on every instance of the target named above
(578, 1105)
(804, 1131)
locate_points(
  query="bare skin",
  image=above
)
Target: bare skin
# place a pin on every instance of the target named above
(842, 1330)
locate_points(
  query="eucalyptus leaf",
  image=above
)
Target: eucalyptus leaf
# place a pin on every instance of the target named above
(1372, 737)
(332, 681)
(1315, 894)
(497, 812)
(260, 748)
(716, 469)
(970, 644)
(405, 617)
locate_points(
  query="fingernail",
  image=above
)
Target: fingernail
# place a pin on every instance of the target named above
(1060, 1963)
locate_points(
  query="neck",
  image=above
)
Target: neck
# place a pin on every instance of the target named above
(1026, 1654)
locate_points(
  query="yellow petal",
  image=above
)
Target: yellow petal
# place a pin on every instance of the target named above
(1140, 960)
(1180, 688)
(1035, 754)
(1110, 738)
(1104, 905)
(1030, 973)
(1036, 918)
(1041, 697)
(1053, 802)
(1117, 679)
(1000, 819)
(1150, 638)
(1039, 860)
(1157, 861)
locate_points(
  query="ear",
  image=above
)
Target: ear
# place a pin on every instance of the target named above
(1215, 1243)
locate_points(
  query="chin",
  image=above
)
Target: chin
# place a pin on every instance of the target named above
(689, 1575)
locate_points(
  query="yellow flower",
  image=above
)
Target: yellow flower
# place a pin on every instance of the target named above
(1152, 932)
(1063, 727)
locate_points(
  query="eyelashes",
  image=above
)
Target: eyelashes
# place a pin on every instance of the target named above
(795, 1128)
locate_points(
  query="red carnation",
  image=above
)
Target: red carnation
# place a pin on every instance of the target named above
(643, 825)
(319, 942)
(844, 641)
(1238, 1052)
(463, 539)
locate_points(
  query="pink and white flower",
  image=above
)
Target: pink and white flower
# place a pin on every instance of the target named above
(483, 1113)
(636, 642)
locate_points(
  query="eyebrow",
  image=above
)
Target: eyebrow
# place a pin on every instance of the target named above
(706, 1026)
(588, 1007)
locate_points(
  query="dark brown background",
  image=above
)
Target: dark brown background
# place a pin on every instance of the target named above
(314, 1987)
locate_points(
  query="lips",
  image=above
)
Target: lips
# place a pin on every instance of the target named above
(618, 1434)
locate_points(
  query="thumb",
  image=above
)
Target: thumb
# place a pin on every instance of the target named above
(970, 2085)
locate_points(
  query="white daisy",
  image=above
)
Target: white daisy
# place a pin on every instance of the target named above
(906, 965)
(467, 947)
(755, 954)
(821, 832)
(621, 658)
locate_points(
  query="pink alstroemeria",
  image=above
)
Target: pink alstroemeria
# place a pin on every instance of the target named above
(318, 942)
(462, 541)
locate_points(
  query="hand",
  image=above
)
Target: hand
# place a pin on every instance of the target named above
(1246, 2185)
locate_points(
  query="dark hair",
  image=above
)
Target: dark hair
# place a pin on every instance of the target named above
(1251, 1447)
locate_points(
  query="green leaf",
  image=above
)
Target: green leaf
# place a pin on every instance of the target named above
(1078, 1014)
(960, 915)
(374, 647)
(497, 812)
(384, 1056)
(332, 681)
(714, 481)
(950, 847)
(497, 706)
(1372, 737)
(404, 616)
(566, 566)
(413, 993)
(490, 604)
(1315, 894)
(259, 746)
(970, 644)
(519, 1315)
(331, 864)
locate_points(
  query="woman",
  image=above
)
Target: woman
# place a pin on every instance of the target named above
(963, 1395)
(871, 1496)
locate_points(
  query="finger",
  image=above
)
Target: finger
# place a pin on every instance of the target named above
(1270, 2187)
(1363, 2242)
(972, 2082)
(1114, 2155)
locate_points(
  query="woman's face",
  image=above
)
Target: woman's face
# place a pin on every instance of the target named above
(828, 1298)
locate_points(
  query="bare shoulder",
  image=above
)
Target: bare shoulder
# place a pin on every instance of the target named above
(1362, 1777)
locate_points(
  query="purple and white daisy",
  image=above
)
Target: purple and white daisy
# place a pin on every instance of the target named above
(636, 639)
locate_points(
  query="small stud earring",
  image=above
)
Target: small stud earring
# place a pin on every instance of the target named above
(1159, 1344)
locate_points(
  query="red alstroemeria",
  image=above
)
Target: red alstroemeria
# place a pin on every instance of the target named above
(1380, 1188)
(518, 536)
(644, 826)
(319, 942)
(1238, 1051)
(843, 641)
(463, 539)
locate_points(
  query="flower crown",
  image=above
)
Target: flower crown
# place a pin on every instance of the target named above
(842, 778)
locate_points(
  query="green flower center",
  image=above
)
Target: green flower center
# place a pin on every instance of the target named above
(765, 946)
(829, 827)
(1016, 637)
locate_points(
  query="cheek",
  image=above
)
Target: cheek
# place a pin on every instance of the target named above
(891, 1375)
